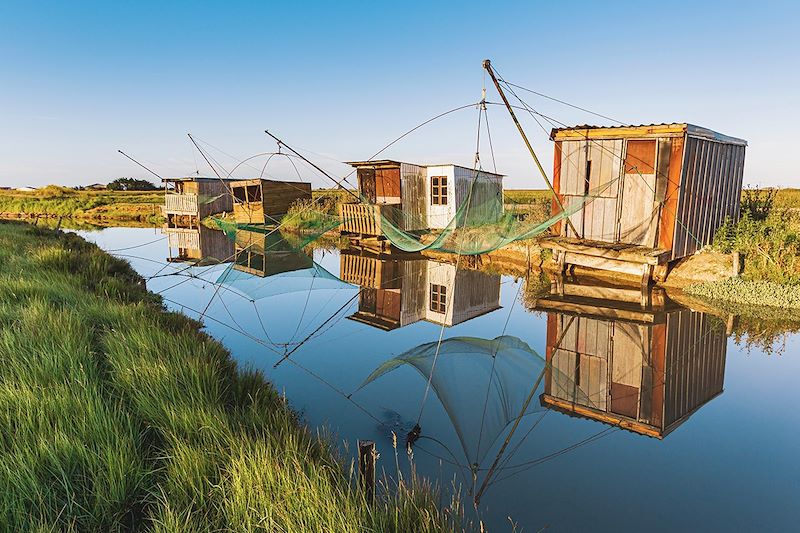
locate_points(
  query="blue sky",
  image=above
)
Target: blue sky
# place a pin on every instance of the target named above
(341, 79)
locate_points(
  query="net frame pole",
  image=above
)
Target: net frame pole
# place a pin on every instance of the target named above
(488, 66)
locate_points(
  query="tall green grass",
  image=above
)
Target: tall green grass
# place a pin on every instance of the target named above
(118, 415)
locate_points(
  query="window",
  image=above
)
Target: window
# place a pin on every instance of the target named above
(438, 298)
(438, 190)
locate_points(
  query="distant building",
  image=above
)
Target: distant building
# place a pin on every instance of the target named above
(417, 197)
(25, 189)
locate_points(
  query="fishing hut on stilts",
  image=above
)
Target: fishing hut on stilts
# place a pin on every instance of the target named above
(636, 198)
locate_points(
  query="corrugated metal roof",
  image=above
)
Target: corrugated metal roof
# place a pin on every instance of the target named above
(392, 162)
(634, 130)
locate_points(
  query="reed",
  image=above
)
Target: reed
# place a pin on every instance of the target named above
(116, 414)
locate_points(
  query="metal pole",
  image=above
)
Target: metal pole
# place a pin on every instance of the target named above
(337, 183)
(488, 66)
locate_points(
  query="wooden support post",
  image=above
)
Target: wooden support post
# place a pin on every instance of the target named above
(647, 273)
(737, 264)
(366, 468)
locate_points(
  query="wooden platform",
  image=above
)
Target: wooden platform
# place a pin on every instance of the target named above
(618, 257)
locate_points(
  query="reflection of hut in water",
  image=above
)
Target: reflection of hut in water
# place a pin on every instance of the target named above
(197, 243)
(265, 253)
(190, 199)
(397, 291)
(260, 201)
(661, 191)
(646, 368)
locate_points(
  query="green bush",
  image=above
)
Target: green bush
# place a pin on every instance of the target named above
(771, 246)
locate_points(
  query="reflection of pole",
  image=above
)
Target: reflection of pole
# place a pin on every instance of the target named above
(488, 66)
(519, 418)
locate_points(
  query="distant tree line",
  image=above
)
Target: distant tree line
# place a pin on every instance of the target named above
(131, 184)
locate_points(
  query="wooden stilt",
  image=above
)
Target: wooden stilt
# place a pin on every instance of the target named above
(366, 468)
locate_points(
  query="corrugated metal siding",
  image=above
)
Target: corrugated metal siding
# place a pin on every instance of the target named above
(694, 363)
(475, 293)
(710, 190)
(486, 200)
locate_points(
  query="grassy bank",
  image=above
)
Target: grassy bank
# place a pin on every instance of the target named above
(116, 414)
(54, 201)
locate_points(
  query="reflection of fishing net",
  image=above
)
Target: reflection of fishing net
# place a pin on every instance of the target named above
(481, 223)
(482, 384)
(305, 228)
(268, 264)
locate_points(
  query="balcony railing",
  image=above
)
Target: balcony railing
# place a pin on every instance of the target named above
(183, 238)
(365, 219)
(181, 204)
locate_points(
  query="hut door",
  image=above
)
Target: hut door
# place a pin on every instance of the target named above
(592, 168)
(366, 183)
(638, 211)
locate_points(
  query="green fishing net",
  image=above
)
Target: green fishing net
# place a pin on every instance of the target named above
(481, 223)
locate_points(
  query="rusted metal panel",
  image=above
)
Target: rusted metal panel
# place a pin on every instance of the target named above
(669, 208)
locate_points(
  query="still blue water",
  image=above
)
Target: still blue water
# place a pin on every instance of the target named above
(712, 432)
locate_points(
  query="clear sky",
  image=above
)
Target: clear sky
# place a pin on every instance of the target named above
(81, 79)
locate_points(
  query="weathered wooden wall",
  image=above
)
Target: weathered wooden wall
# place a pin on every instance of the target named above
(272, 199)
(213, 197)
(414, 197)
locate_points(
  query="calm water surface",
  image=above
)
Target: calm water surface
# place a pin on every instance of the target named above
(524, 401)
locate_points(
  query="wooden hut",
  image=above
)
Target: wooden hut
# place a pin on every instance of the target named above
(190, 199)
(197, 244)
(260, 201)
(266, 254)
(643, 366)
(398, 291)
(414, 197)
(660, 192)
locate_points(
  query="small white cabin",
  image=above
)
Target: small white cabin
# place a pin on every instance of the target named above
(418, 197)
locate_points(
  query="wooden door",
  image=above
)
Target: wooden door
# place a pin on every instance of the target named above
(590, 174)
(366, 183)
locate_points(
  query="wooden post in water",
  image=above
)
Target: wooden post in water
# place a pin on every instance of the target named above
(366, 468)
(737, 264)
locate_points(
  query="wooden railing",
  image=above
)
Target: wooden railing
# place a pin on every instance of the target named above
(365, 219)
(181, 204)
(183, 238)
(359, 270)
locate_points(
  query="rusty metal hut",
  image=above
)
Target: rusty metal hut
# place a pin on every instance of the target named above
(659, 193)
(260, 201)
